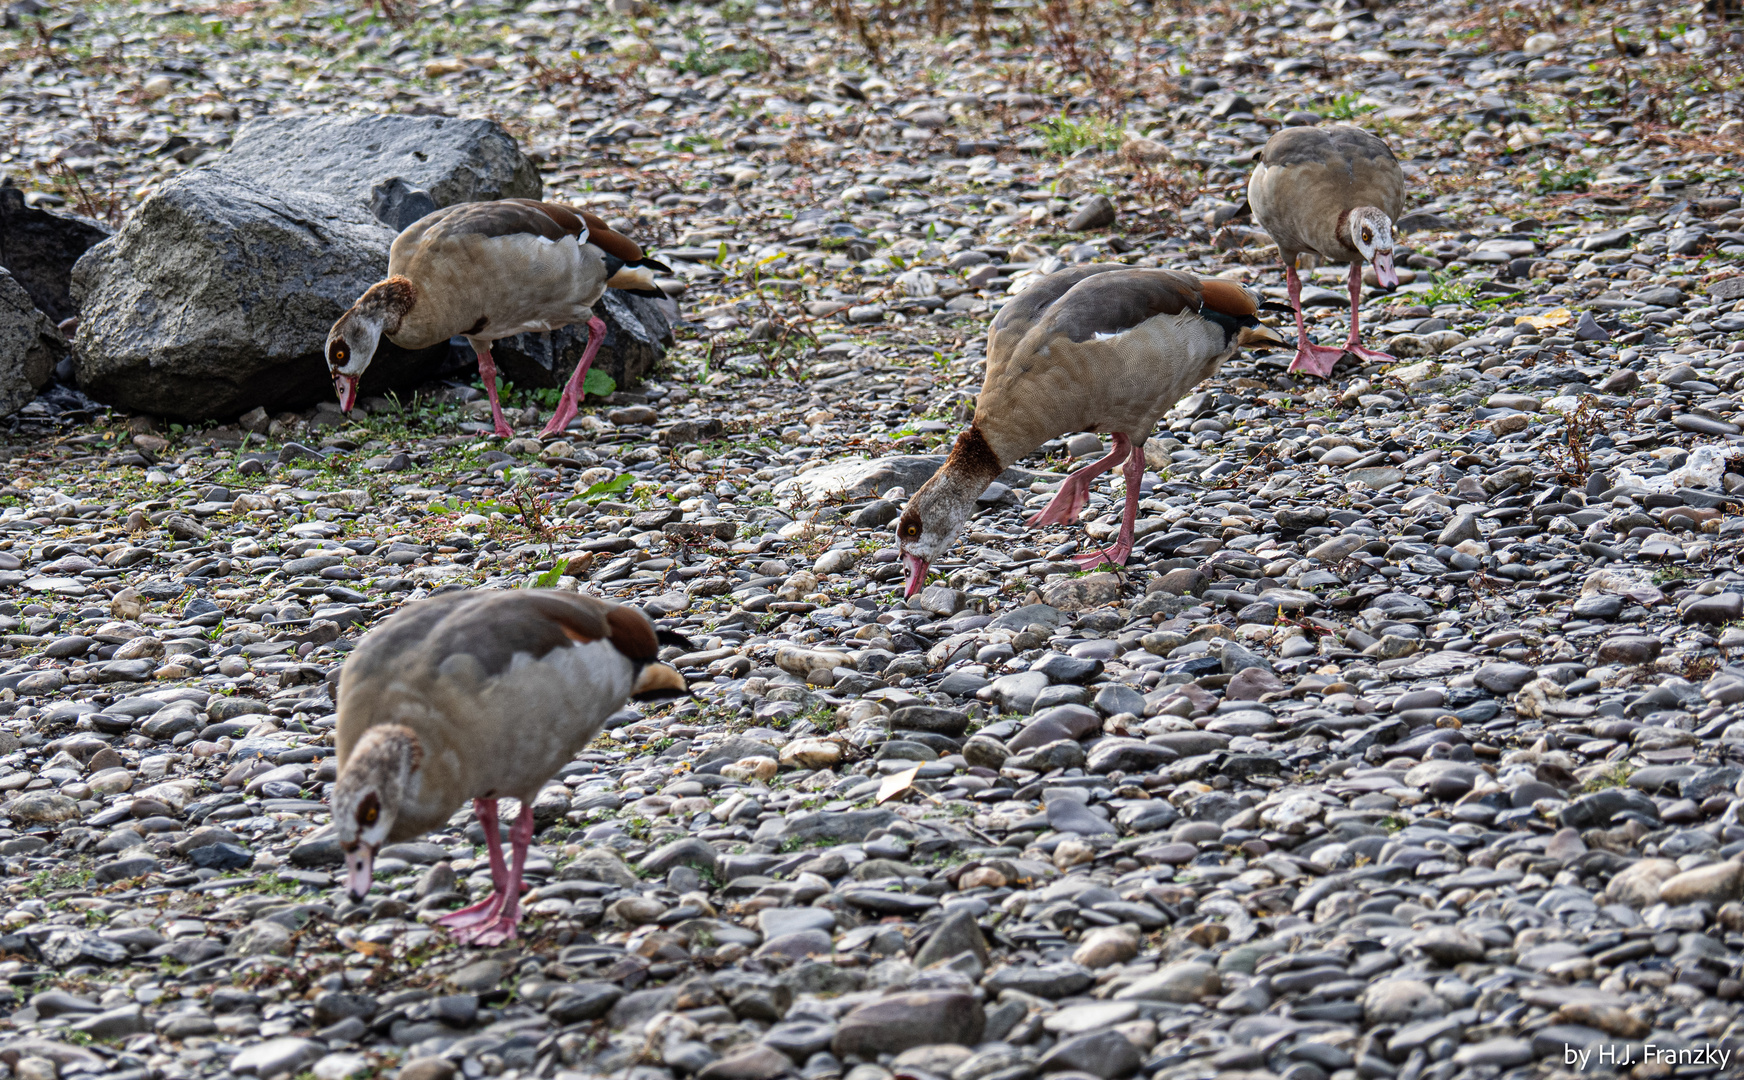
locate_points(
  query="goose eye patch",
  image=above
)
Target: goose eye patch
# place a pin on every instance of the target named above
(368, 811)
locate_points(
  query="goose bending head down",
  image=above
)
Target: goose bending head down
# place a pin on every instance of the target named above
(1096, 348)
(485, 271)
(472, 696)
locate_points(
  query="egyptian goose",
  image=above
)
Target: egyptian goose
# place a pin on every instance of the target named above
(489, 270)
(1094, 348)
(1330, 193)
(479, 695)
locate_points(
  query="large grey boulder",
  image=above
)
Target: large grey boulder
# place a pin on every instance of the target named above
(217, 294)
(39, 247)
(454, 161)
(30, 346)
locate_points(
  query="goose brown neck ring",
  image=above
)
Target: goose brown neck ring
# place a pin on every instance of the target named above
(390, 301)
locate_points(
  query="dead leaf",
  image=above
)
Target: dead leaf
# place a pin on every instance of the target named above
(1558, 317)
(897, 784)
(371, 948)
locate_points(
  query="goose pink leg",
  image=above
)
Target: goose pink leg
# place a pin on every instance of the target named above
(1314, 359)
(570, 402)
(1075, 491)
(1350, 346)
(492, 920)
(1122, 549)
(486, 909)
(487, 370)
(508, 915)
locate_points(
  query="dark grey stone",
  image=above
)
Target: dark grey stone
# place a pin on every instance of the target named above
(30, 346)
(38, 248)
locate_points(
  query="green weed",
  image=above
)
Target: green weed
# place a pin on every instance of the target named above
(1446, 289)
(1555, 178)
(1066, 136)
(703, 60)
(605, 489)
(1615, 776)
(1343, 107)
(597, 384)
(48, 881)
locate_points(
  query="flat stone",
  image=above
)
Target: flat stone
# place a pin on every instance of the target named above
(478, 976)
(1503, 677)
(1714, 884)
(1051, 725)
(757, 1062)
(1401, 1001)
(1066, 815)
(797, 945)
(1722, 607)
(686, 852)
(113, 1023)
(949, 722)
(1181, 982)
(276, 1056)
(915, 1018)
(1449, 945)
(957, 933)
(1083, 594)
(1104, 1054)
(1629, 649)
(1600, 809)
(1082, 1019)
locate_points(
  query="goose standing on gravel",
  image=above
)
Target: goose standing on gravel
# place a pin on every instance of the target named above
(1094, 348)
(490, 270)
(479, 695)
(1332, 193)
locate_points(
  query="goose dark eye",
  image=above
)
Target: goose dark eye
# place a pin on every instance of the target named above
(1368, 237)
(911, 531)
(339, 355)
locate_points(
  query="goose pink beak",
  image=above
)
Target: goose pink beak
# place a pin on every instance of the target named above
(1384, 271)
(917, 572)
(359, 871)
(346, 387)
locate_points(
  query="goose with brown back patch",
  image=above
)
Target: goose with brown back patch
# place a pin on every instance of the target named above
(1329, 193)
(1095, 348)
(479, 696)
(490, 270)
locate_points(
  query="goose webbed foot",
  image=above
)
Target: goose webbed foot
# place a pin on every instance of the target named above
(473, 914)
(1066, 504)
(1316, 359)
(1115, 555)
(1372, 355)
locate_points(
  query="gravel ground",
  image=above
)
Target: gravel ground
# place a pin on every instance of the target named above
(1405, 748)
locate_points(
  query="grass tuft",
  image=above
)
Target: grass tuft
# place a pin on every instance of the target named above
(1066, 136)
